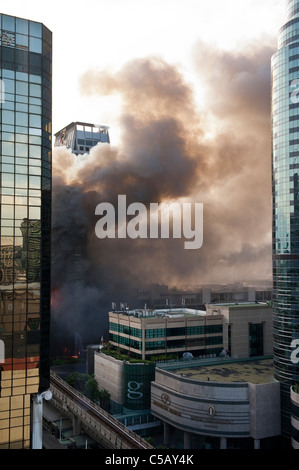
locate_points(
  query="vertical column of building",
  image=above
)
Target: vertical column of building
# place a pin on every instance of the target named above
(25, 223)
(143, 336)
(46, 194)
(285, 171)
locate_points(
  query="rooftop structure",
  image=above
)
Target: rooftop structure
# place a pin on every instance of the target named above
(80, 137)
(259, 371)
(159, 296)
(218, 403)
(160, 313)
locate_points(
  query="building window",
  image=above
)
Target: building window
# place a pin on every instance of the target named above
(229, 338)
(204, 329)
(125, 329)
(154, 345)
(256, 339)
(175, 331)
(156, 333)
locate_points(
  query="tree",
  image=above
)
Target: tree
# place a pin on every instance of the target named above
(104, 397)
(77, 381)
(91, 389)
(88, 386)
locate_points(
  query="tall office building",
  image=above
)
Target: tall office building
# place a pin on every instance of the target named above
(80, 137)
(25, 228)
(285, 172)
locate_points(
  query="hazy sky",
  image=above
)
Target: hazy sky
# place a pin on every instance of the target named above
(185, 88)
(105, 34)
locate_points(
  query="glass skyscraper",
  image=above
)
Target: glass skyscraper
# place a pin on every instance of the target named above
(25, 218)
(285, 173)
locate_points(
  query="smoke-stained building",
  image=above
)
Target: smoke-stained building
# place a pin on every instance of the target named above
(285, 171)
(25, 218)
(80, 137)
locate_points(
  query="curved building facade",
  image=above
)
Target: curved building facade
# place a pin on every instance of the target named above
(285, 174)
(295, 417)
(219, 405)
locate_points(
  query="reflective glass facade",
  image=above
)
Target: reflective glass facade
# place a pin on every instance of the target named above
(25, 218)
(285, 172)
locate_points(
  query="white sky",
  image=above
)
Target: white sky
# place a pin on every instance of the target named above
(105, 34)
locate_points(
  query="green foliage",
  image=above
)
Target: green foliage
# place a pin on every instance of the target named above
(91, 389)
(69, 360)
(121, 355)
(58, 362)
(104, 399)
(149, 440)
(88, 386)
(77, 381)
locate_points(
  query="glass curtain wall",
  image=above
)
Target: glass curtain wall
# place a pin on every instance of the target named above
(25, 218)
(285, 173)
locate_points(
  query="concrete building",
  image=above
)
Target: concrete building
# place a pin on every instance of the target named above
(80, 137)
(224, 404)
(146, 333)
(163, 341)
(247, 328)
(242, 329)
(160, 296)
(129, 386)
(109, 373)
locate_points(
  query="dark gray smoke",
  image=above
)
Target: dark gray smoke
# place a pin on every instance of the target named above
(164, 156)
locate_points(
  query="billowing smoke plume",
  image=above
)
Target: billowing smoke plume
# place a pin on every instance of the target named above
(171, 149)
